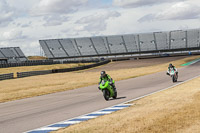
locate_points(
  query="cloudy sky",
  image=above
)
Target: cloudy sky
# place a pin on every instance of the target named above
(24, 22)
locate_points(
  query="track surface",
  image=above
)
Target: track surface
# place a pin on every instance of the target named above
(135, 63)
(27, 114)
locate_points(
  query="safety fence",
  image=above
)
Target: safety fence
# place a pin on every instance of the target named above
(44, 72)
(6, 76)
(45, 62)
(80, 68)
(33, 73)
(28, 63)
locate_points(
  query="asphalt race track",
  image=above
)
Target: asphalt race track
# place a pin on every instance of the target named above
(31, 113)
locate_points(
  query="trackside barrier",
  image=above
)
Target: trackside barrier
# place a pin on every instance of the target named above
(34, 73)
(29, 63)
(80, 68)
(6, 76)
(44, 62)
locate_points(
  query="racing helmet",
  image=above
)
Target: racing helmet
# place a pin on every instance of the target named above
(103, 73)
(170, 65)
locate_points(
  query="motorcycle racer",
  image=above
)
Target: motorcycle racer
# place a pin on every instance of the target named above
(105, 76)
(172, 67)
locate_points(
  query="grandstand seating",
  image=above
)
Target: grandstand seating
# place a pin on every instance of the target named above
(193, 38)
(19, 54)
(46, 49)
(12, 54)
(121, 44)
(56, 48)
(8, 53)
(147, 42)
(177, 39)
(161, 40)
(131, 43)
(1, 55)
(116, 44)
(100, 45)
(68, 45)
(85, 46)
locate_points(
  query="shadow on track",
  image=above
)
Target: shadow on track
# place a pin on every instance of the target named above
(118, 98)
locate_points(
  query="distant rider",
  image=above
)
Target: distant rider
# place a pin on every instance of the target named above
(172, 67)
(106, 77)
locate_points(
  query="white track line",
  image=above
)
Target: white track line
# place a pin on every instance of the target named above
(48, 128)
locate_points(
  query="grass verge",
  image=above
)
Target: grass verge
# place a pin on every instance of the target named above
(176, 110)
(46, 84)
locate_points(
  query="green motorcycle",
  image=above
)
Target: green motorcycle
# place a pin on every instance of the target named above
(107, 90)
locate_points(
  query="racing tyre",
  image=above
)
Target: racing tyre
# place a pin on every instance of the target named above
(115, 95)
(106, 94)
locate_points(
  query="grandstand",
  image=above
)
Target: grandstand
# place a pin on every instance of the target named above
(99, 45)
(177, 39)
(193, 38)
(122, 45)
(147, 42)
(11, 55)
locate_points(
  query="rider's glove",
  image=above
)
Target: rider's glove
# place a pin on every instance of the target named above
(99, 87)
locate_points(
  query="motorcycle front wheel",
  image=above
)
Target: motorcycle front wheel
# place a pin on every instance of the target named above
(106, 94)
(115, 95)
(174, 79)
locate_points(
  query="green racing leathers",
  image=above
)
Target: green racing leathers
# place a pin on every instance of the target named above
(107, 78)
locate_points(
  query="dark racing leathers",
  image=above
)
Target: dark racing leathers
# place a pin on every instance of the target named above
(108, 78)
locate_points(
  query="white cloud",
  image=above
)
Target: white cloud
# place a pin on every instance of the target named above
(30, 48)
(97, 21)
(57, 6)
(183, 10)
(13, 35)
(53, 20)
(34, 44)
(24, 22)
(139, 3)
(3, 44)
(6, 12)
(54, 12)
(178, 11)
